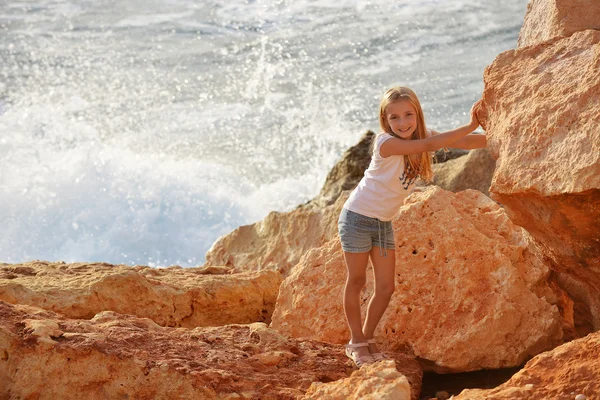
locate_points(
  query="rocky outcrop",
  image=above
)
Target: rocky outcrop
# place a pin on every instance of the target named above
(570, 371)
(472, 171)
(548, 19)
(469, 294)
(183, 297)
(541, 114)
(120, 356)
(277, 242)
(379, 381)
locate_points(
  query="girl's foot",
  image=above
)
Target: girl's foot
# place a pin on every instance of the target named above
(359, 353)
(375, 353)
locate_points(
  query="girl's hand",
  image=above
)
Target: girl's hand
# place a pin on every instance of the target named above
(474, 123)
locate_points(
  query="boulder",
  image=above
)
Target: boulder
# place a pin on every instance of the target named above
(469, 293)
(185, 297)
(549, 19)
(379, 381)
(570, 371)
(540, 111)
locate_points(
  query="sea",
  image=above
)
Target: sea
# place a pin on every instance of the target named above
(139, 132)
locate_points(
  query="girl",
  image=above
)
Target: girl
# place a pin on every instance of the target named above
(400, 156)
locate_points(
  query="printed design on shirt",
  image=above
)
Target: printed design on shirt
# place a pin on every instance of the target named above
(406, 177)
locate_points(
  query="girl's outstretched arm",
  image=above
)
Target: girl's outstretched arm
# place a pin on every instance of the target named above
(396, 146)
(469, 142)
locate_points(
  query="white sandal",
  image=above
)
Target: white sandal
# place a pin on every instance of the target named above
(359, 361)
(377, 356)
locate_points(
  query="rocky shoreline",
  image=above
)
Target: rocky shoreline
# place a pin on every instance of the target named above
(499, 283)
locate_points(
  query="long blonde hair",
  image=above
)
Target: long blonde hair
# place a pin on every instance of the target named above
(418, 164)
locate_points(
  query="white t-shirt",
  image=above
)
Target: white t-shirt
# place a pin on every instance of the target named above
(383, 188)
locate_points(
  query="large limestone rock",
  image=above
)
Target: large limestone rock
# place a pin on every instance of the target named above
(469, 293)
(185, 297)
(540, 111)
(379, 381)
(44, 355)
(566, 372)
(548, 19)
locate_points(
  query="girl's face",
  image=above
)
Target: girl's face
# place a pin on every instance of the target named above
(402, 118)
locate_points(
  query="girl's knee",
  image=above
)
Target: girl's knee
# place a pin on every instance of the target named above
(385, 290)
(356, 282)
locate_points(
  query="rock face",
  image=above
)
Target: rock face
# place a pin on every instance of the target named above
(563, 373)
(469, 294)
(547, 19)
(119, 356)
(541, 114)
(472, 171)
(181, 297)
(379, 381)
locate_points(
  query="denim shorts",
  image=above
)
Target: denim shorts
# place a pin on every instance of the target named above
(360, 234)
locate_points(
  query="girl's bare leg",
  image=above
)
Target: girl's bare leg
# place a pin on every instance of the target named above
(356, 264)
(384, 270)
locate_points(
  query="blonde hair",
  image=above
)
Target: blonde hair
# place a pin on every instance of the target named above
(418, 164)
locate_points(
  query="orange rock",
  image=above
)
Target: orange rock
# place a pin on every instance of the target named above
(278, 241)
(566, 372)
(542, 119)
(186, 297)
(379, 381)
(44, 355)
(469, 294)
(548, 19)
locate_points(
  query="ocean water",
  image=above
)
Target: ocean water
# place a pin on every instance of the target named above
(138, 132)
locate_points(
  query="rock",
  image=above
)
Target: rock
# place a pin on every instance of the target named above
(442, 395)
(346, 173)
(472, 171)
(186, 297)
(379, 381)
(277, 242)
(469, 293)
(548, 19)
(566, 372)
(540, 111)
(119, 356)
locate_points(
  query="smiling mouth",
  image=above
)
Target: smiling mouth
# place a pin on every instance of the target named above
(404, 130)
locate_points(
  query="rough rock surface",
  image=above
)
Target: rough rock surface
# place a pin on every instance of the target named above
(540, 111)
(43, 355)
(186, 297)
(469, 294)
(472, 171)
(379, 381)
(277, 242)
(561, 374)
(548, 19)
